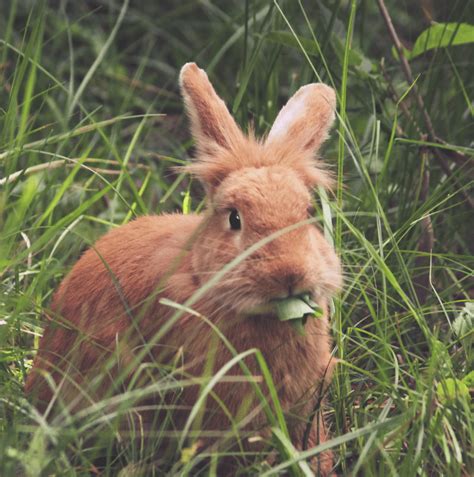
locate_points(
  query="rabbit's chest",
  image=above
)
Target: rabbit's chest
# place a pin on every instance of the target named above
(298, 365)
(296, 371)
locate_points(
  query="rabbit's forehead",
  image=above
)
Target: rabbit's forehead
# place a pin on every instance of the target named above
(275, 189)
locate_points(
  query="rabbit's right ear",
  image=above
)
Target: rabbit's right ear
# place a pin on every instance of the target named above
(306, 119)
(212, 125)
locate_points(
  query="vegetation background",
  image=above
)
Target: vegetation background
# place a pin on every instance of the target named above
(91, 123)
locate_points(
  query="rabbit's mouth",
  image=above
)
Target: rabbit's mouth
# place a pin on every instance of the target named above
(262, 309)
(288, 308)
(293, 309)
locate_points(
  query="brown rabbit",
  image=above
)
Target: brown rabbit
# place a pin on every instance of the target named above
(111, 303)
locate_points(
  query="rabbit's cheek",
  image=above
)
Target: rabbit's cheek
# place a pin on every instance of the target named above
(236, 240)
(327, 266)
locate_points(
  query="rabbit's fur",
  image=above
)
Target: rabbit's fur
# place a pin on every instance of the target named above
(110, 301)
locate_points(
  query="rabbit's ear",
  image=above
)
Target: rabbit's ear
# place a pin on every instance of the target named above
(211, 123)
(306, 118)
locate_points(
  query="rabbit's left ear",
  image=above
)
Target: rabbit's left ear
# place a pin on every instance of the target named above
(306, 119)
(211, 123)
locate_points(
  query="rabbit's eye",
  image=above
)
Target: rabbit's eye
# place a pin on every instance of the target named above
(234, 220)
(311, 210)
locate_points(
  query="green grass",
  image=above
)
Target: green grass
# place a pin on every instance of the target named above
(91, 126)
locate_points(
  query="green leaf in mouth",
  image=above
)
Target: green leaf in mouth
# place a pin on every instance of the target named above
(294, 309)
(297, 309)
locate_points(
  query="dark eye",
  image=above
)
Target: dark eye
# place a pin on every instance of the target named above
(311, 210)
(234, 219)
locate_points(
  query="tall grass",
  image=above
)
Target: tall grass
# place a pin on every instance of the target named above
(91, 124)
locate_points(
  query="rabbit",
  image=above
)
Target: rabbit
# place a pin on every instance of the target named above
(111, 302)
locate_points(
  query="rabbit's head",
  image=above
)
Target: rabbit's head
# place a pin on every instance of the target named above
(257, 188)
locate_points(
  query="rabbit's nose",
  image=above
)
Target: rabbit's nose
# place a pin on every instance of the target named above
(292, 282)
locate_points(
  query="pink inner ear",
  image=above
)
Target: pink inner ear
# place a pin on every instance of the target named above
(305, 120)
(290, 113)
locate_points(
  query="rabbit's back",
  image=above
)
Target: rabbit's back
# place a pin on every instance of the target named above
(125, 266)
(115, 282)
